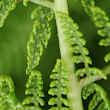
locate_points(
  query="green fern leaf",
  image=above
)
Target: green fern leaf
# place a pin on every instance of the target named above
(5, 7)
(8, 100)
(99, 96)
(71, 30)
(34, 88)
(58, 86)
(39, 36)
(100, 19)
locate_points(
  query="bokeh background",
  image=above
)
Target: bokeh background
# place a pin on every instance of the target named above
(14, 36)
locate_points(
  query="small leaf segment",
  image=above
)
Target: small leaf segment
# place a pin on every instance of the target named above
(58, 87)
(101, 20)
(8, 100)
(80, 52)
(5, 7)
(34, 90)
(39, 36)
(99, 99)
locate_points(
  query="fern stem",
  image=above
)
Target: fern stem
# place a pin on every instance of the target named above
(74, 90)
(43, 3)
(86, 81)
(61, 6)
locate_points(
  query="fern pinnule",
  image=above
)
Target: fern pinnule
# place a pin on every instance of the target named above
(58, 86)
(99, 96)
(34, 90)
(25, 2)
(5, 7)
(8, 100)
(92, 71)
(39, 36)
(101, 20)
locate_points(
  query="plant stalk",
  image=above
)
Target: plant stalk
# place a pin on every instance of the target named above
(44, 3)
(74, 90)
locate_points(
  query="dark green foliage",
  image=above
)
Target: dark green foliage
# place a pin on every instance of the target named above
(99, 96)
(101, 20)
(34, 90)
(8, 100)
(5, 7)
(39, 36)
(58, 86)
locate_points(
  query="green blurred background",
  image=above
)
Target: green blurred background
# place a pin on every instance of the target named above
(14, 36)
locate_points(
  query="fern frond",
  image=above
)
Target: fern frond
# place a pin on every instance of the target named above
(8, 100)
(34, 89)
(5, 7)
(39, 36)
(71, 29)
(101, 20)
(81, 52)
(99, 96)
(58, 86)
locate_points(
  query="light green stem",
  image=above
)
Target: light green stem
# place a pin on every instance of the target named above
(43, 3)
(74, 90)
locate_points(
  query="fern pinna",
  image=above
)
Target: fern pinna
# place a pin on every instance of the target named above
(34, 90)
(101, 20)
(39, 36)
(58, 86)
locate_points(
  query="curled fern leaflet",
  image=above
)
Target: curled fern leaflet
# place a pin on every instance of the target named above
(99, 98)
(8, 100)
